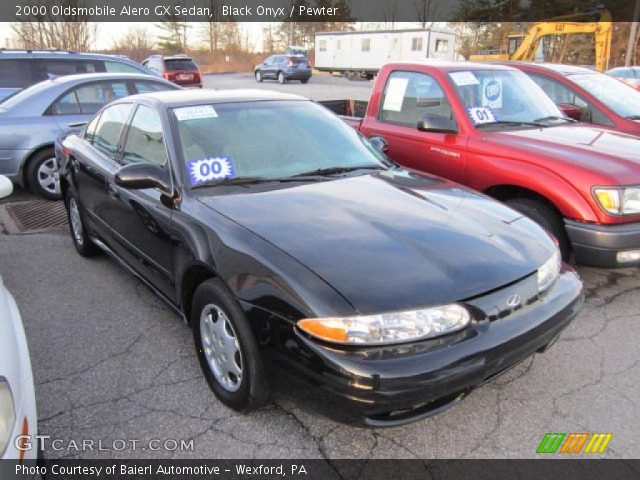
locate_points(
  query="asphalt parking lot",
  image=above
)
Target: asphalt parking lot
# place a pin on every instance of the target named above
(111, 362)
(320, 87)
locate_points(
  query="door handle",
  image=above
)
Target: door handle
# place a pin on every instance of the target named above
(113, 191)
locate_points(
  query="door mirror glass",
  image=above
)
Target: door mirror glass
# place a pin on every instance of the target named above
(437, 124)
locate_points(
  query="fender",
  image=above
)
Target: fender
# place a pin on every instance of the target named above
(561, 193)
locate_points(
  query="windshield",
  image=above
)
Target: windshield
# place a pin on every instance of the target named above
(268, 140)
(180, 64)
(502, 96)
(620, 98)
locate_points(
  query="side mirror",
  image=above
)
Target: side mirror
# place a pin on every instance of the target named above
(137, 176)
(437, 123)
(570, 110)
(379, 144)
(6, 187)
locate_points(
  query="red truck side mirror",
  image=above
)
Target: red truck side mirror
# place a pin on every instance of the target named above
(570, 110)
(437, 123)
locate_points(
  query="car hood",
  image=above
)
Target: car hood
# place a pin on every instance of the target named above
(609, 153)
(391, 241)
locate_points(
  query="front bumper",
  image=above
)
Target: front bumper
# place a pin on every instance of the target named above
(398, 384)
(599, 245)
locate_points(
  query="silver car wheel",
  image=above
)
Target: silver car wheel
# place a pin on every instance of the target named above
(258, 76)
(281, 77)
(47, 176)
(76, 222)
(221, 347)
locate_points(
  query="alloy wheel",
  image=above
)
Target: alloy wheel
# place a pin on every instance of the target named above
(221, 347)
(47, 176)
(76, 222)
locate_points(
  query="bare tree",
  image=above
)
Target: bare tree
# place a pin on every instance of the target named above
(42, 32)
(390, 14)
(426, 11)
(211, 29)
(135, 44)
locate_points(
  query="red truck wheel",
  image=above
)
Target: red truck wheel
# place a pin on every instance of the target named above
(545, 216)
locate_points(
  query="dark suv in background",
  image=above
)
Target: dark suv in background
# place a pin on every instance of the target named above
(179, 69)
(23, 68)
(283, 68)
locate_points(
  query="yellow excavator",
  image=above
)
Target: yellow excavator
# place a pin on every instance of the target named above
(524, 47)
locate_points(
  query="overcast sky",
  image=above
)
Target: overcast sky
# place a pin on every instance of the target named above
(107, 31)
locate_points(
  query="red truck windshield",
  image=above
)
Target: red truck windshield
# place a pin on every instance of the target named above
(502, 96)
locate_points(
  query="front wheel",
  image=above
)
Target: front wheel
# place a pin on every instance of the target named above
(226, 348)
(281, 78)
(258, 77)
(304, 80)
(84, 246)
(546, 217)
(43, 175)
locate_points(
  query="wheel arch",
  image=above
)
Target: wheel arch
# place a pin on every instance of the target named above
(29, 158)
(193, 275)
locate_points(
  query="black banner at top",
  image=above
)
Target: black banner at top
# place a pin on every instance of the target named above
(388, 11)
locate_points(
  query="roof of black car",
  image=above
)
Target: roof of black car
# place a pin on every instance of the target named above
(178, 98)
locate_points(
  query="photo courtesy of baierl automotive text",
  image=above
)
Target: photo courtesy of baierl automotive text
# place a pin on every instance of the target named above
(325, 239)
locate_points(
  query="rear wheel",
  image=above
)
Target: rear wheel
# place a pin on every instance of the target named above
(258, 76)
(43, 175)
(545, 216)
(281, 78)
(84, 246)
(226, 348)
(304, 80)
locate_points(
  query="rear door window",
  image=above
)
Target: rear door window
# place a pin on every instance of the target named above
(180, 64)
(16, 73)
(109, 128)
(53, 67)
(145, 86)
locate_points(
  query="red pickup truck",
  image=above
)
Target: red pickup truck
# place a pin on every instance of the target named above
(492, 128)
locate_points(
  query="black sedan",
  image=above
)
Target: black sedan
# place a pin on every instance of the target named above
(280, 233)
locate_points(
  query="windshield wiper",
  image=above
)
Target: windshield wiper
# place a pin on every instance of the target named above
(555, 117)
(239, 181)
(510, 122)
(336, 170)
(634, 117)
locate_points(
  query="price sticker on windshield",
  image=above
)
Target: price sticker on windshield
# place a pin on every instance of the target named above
(210, 169)
(197, 112)
(481, 115)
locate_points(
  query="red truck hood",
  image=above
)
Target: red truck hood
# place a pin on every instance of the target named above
(614, 155)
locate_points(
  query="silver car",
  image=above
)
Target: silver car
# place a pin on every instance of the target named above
(32, 119)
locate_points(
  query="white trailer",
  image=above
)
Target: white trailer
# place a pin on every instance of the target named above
(363, 53)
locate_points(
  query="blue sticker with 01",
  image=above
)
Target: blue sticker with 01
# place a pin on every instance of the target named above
(210, 169)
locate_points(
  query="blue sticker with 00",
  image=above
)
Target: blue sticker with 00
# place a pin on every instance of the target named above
(210, 169)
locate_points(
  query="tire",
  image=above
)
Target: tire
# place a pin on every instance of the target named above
(42, 175)
(304, 80)
(281, 79)
(77, 226)
(235, 371)
(258, 76)
(545, 216)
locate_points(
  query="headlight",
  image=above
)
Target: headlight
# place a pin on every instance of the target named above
(7, 414)
(619, 201)
(549, 271)
(388, 328)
